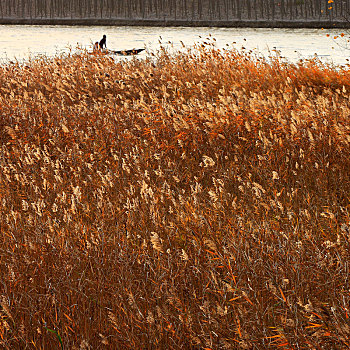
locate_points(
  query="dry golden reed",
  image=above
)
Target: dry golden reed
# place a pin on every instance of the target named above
(195, 200)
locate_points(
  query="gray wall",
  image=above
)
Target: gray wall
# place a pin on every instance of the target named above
(187, 10)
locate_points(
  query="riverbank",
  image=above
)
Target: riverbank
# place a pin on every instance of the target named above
(178, 23)
(189, 201)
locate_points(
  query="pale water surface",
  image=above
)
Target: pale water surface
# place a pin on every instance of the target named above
(21, 42)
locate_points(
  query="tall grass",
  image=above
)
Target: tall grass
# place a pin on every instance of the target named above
(198, 200)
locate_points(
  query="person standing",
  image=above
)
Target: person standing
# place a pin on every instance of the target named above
(103, 43)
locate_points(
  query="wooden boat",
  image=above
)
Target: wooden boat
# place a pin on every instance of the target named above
(131, 52)
(128, 52)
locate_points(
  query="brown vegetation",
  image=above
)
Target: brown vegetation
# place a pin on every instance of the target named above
(195, 200)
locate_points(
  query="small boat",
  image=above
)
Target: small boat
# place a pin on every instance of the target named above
(127, 52)
(131, 52)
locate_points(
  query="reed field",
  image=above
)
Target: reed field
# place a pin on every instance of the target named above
(193, 200)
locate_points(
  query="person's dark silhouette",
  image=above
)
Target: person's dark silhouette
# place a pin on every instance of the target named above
(103, 42)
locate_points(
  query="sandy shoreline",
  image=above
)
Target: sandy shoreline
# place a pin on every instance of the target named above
(176, 23)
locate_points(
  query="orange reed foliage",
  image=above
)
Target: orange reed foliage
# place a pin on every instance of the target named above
(195, 200)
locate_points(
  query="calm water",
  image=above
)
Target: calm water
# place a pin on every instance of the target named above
(22, 42)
